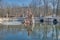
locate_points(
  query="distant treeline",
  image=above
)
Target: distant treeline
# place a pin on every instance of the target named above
(18, 11)
(35, 7)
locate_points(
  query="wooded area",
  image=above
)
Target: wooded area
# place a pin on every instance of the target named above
(35, 6)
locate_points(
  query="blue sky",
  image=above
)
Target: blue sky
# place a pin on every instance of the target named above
(18, 3)
(15, 2)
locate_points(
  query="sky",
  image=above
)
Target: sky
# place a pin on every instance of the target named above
(15, 2)
(18, 3)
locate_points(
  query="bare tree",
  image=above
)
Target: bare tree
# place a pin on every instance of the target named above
(53, 2)
(58, 8)
(0, 8)
(35, 5)
(45, 7)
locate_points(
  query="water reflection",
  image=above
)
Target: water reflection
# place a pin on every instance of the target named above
(21, 32)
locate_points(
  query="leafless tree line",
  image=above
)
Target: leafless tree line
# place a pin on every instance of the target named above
(38, 7)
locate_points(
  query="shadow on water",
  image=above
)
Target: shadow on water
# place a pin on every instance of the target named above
(20, 32)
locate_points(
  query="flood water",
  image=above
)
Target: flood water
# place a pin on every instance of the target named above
(39, 32)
